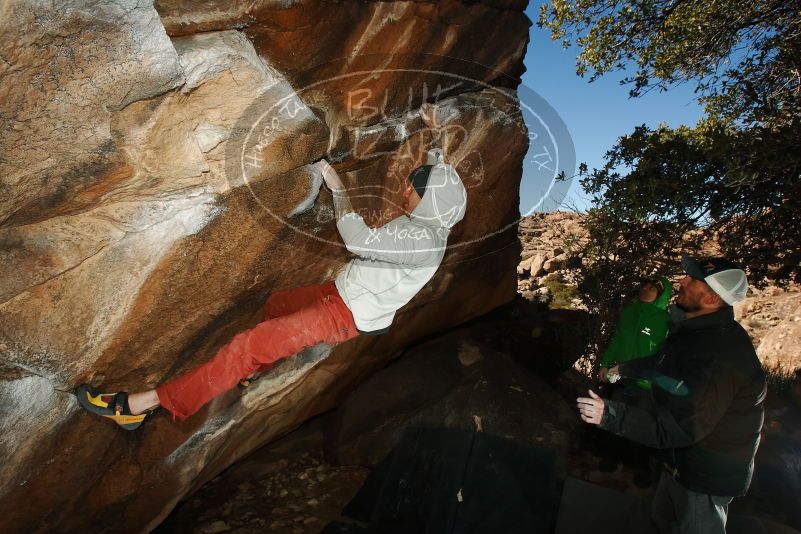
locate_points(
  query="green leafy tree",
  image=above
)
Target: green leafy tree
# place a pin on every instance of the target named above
(733, 177)
(663, 189)
(743, 55)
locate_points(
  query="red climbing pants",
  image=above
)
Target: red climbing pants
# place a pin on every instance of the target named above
(293, 319)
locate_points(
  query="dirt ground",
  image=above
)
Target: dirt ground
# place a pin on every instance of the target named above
(299, 494)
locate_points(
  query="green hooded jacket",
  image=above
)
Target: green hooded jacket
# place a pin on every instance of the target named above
(641, 330)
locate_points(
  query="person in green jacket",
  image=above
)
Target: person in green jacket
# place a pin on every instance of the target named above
(642, 328)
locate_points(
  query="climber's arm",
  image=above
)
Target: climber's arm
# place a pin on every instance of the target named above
(388, 243)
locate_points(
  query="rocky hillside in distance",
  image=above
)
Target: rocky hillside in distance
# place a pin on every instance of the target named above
(547, 239)
(771, 316)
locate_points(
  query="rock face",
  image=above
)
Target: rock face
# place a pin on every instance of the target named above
(154, 187)
(458, 380)
(772, 318)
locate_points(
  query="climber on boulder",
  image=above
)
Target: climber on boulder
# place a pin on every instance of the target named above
(393, 262)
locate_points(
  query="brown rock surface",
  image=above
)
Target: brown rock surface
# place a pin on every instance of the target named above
(60, 87)
(149, 202)
(457, 380)
(781, 348)
(772, 318)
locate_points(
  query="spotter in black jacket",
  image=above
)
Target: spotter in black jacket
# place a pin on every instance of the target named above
(708, 388)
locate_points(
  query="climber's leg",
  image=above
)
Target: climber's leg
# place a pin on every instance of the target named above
(142, 402)
(325, 319)
(282, 303)
(290, 300)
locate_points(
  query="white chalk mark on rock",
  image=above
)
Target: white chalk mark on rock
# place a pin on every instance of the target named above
(315, 182)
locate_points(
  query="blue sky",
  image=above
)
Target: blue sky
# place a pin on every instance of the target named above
(596, 113)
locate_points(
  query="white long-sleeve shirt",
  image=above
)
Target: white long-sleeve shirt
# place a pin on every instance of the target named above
(397, 259)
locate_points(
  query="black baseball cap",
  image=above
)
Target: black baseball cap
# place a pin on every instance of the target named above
(419, 178)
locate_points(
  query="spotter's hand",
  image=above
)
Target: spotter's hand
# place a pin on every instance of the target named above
(591, 408)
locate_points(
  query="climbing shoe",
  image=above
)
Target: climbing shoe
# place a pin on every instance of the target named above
(112, 406)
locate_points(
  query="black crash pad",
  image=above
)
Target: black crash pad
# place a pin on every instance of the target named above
(456, 481)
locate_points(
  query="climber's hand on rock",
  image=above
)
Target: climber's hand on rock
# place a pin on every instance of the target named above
(428, 112)
(332, 179)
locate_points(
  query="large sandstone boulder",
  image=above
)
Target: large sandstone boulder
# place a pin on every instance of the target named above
(154, 187)
(772, 318)
(459, 380)
(780, 349)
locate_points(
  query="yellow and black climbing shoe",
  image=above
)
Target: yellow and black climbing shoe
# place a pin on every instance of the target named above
(113, 406)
